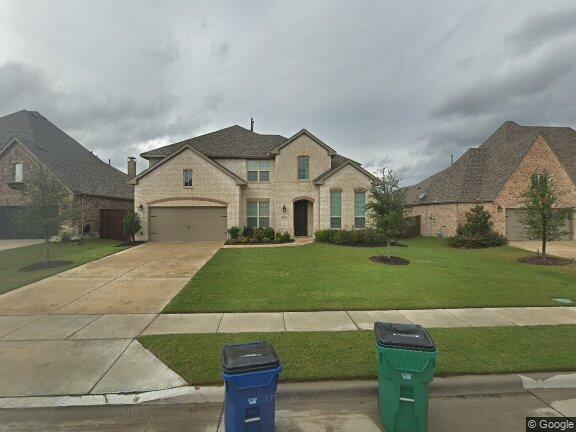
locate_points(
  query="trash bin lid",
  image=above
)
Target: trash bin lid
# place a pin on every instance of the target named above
(250, 357)
(404, 336)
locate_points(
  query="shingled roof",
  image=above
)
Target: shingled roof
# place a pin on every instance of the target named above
(76, 167)
(231, 142)
(481, 173)
(236, 142)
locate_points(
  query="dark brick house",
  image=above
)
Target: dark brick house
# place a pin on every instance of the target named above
(28, 143)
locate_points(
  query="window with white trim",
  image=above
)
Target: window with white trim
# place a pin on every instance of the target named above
(303, 167)
(18, 173)
(258, 214)
(187, 178)
(359, 209)
(335, 209)
(258, 170)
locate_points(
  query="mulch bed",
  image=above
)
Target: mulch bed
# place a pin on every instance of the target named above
(235, 243)
(44, 265)
(381, 259)
(548, 261)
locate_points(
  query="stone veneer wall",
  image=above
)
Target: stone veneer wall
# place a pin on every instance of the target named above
(540, 159)
(10, 196)
(90, 209)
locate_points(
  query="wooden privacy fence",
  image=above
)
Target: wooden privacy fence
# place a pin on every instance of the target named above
(111, 223)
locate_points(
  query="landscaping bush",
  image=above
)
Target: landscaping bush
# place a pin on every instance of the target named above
(477, 231)
(258, 235)
(269, 234)
(247, 232)
(249, 235)
(234, 232)
(67, 235)
(478, 241)
(360, 237)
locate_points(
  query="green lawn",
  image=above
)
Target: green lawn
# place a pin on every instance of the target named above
(11, 260)
(351, 355)
(326, 277)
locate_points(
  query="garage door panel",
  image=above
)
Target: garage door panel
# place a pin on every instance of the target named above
(187, 223)
(515, 229)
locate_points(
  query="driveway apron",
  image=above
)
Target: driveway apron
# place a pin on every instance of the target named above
(73, 333)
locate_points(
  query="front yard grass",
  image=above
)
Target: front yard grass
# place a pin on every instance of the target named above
(12, 259)
(327, 277)
(351, 355)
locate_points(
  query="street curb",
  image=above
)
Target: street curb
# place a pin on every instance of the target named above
(459, 386)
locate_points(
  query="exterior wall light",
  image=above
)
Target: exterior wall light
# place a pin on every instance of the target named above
(140, 207)
(284, 209)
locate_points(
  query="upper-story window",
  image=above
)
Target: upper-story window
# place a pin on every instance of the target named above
(335, 209)
(187, 178)
(258, 170)
(18, 173)
(359, 209)
(303, 167)
(539, 178)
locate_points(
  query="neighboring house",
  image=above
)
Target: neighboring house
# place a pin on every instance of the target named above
(495, 175)
(197, 188)
(28, 143)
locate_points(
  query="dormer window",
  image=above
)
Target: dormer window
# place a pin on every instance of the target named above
(303, 167)
(18, 173)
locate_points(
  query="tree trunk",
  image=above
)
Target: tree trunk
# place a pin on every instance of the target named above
(388, 243)
(47, 248)
(544, 247)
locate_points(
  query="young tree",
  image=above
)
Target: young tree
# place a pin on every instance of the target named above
(47, 207)
(543, 221)
(477, 222)
(131, 225)
(387, 206)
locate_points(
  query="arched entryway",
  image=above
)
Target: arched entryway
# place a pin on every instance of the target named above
(302, 217)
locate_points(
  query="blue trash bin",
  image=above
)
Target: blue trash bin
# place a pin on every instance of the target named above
(250, 372)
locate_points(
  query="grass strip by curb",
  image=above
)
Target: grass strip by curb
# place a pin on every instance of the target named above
(315, 356)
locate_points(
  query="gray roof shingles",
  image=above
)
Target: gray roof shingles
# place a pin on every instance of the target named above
(481, 173)
(234, 142)
(72, 164)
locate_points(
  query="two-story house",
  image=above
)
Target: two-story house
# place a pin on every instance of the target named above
(197, 188)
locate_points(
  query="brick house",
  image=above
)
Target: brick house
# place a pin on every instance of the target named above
(197, 188)
(28, 143)
(495, 175)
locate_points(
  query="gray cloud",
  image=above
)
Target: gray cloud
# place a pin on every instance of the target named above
(543, 28)
(384, 83)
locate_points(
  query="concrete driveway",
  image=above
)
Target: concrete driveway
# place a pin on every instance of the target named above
(12, 244)
(562, 248)
(73, 333)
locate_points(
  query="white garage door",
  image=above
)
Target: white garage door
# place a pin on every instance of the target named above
(187, 223)
(515, 229)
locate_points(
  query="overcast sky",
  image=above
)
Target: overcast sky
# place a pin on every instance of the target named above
(401, 83)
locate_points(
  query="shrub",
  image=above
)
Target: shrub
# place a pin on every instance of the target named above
(477, 231)
(361, 237)
(478, 241)
(234, 232)
(277, 237)
(131, 224)
(258, 235)
(247, 231)
(269, 233)
(67, 235)
(286, 236)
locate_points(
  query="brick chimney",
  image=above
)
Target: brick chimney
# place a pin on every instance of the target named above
(131, 166)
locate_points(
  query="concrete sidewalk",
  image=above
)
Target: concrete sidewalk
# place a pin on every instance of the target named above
(470, 403)
(357, 320)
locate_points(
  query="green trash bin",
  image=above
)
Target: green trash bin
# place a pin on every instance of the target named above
(406, 364)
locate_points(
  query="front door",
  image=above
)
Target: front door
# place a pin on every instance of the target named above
(301, 218)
